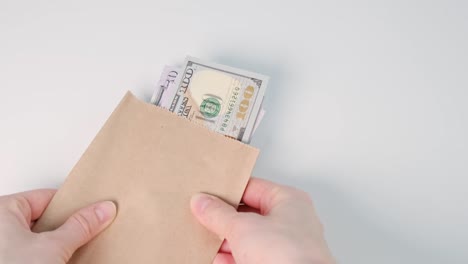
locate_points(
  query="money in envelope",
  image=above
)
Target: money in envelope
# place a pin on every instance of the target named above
(221, 98)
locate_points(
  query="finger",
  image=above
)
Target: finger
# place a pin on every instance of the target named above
(213, 213)
(84, 225)
(31, 204)
(225, 248)
(224, 258)
(262, 194)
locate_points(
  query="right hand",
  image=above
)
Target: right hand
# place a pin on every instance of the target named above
(277, 224)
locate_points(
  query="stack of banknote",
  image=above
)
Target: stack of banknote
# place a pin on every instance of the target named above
(221, 98)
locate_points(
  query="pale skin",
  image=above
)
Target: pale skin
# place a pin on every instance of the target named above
(276, 224)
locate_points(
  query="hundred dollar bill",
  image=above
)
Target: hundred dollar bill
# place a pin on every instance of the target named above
(167, 81)
(260, 116)
(224, 99)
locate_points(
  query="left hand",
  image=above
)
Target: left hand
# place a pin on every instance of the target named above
(19, 245)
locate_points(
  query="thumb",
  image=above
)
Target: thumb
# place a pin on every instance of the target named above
(213, 213)
(84, 225)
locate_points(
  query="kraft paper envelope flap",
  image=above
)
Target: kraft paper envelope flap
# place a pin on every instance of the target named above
(150, 162)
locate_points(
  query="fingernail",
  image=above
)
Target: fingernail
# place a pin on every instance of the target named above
(200, 201)
(105, 211)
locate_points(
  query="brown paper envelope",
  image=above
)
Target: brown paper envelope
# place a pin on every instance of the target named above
(150, 162)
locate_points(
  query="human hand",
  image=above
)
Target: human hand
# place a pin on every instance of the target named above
(19, 245)
(277, 224)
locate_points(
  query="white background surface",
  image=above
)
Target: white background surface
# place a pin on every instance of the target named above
(367, 104)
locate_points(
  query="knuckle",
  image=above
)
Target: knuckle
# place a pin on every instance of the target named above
(298, 194)
(276, 193)
(304, 195)
(272, 197)
(83, 223)
(18, 204)
(284, 194)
